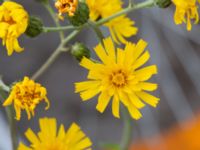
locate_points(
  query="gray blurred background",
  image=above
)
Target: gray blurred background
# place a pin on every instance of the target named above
(172, 48)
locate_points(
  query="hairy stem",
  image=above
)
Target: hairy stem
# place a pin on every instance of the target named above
(54, 55)
(56, 21)
(127, 130)
(145, 4)
(55, 29)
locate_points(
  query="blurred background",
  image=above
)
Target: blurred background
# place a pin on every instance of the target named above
(173, 125)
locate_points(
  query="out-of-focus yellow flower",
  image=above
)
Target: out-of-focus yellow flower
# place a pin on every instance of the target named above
(26, 95)
(13, 23)
(186, 10)
(119, 77)
(49, 139)
(66, 6)
(103, 8)
(121, 27)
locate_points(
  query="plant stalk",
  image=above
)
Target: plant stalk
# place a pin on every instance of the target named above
(127, 131)
(54, 55)
(55, 19)
(10, 114)
(145, 4)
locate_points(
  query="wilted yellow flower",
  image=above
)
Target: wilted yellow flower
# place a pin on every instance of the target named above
(121, 27)
(13, 23)
(66, 6)
(186, 10)
(26, 95)
(49, 139)
(119, 77)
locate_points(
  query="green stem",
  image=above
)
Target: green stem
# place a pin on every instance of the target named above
(49, 29)
(11, 119)
(127, 131)
(51, 12)
(61, 48)
(97, 30)
(10, 114)
(145, 4)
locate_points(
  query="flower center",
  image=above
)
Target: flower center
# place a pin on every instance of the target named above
(118, 78)
(27, 96)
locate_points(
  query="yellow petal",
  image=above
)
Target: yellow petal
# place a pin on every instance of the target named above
(82, 86)
(115, 106)
(149, 99)
(32, 137)
(135, 113)
(88, 94)
(147, 86)
(110, 49)
(141, 60)
(103, 100)
(146, 73)
(23, 147)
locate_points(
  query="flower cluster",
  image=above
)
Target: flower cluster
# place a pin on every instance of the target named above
(118, 76)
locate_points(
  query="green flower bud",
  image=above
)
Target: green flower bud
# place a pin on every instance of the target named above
(35, 27)
(79, 50)
(163, 3)
(81, 15)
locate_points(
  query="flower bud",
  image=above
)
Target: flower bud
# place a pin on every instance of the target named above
(81, 15)
(79, 50)
(163, 3)
(35, 27)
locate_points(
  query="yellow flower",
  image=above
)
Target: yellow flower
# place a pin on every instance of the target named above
(66, 6)
(119, 77)
(103, 8)
(121, 27)
(13, 23)
(49, 139)
(26, 95)
(186, 10)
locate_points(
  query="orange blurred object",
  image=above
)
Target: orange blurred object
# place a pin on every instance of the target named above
(186, 137)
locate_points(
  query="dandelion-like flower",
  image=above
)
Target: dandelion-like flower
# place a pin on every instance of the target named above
(49, 139)
(186, 10)
(66, 6)
(13, 23)
(119, 77)
(26, 95)
(121, 27)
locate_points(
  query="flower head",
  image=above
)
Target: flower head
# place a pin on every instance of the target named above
(119, 77)
(49, 139)
(13, 23)
(186, 10)
(26, 95)
(66, 6)
(121, 27)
